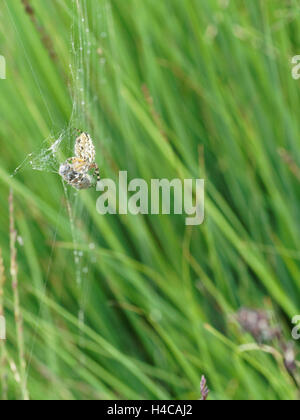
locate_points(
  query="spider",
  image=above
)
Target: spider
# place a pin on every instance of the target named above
(75, 170)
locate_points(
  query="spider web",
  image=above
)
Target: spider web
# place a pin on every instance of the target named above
(49, 156)
(85, 35)
(84, 61)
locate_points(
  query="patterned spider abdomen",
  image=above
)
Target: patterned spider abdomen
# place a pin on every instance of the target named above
(85, 149)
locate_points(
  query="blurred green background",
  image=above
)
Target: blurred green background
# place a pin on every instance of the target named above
(167, 89)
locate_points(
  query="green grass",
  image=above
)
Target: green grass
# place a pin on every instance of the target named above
(158, 297)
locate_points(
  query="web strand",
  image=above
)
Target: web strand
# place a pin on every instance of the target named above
(59, 146)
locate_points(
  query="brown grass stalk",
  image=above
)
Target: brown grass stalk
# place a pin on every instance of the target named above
(3, 356)
(290, 162)
(155, 115)
(17, 308)
(44, 36)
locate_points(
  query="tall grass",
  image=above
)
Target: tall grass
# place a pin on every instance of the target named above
(177, 89)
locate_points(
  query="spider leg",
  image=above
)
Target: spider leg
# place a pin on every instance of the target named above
(97, 171)
(77, 130)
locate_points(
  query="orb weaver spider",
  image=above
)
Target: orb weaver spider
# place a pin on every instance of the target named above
(75, 170)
